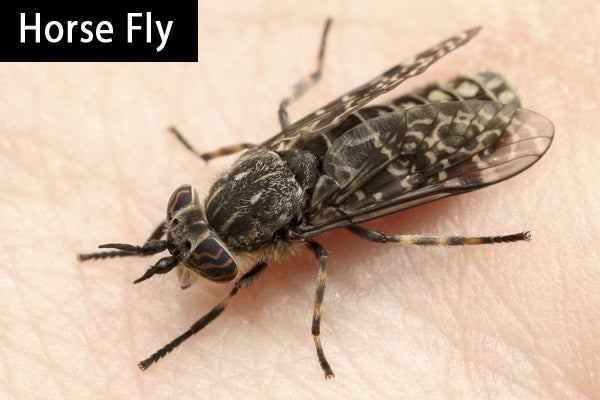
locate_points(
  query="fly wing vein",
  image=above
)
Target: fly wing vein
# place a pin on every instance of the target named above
(332, 114)
(407, 158)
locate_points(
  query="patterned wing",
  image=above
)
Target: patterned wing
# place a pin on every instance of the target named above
(484, 86)
(335, 112)
(410, 157)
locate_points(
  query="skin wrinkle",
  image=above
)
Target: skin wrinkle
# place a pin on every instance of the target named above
(468, 358)
(211, 86)
(512, 311)
(451, 340)
(268, 333)
(45, 336)
(508, 376)
(127, 298)
(88, 316)
(456, 341)
(521, 320)
(534, 362)
(44, 348)
(584, 369)
(7, 375)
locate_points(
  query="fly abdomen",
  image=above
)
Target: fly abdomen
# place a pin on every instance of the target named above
(486, 85)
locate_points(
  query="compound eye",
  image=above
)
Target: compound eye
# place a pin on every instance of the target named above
(213, 261)
(180, 198)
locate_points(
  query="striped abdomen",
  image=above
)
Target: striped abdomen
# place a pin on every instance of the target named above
(484, 86)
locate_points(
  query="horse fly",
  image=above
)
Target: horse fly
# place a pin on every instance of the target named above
(342, 165)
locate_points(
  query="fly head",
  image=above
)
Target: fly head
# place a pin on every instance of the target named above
(192, 242)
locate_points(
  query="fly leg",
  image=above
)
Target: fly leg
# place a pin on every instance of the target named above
(152, 246)
(223, 151)
(298, 90)
(305, 83)
(436, 240)
(321, 254)
(244, 281)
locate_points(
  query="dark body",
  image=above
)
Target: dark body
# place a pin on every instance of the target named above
(267, 197)
(261, 198)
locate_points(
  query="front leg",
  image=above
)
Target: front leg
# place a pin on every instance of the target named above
(152, 246)
(244, 281)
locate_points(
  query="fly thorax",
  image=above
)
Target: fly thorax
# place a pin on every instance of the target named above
(263, 192)
(192, 242)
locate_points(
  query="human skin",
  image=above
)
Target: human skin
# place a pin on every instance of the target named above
(86, 159)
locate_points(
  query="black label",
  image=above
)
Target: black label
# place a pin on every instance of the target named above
(102, 31)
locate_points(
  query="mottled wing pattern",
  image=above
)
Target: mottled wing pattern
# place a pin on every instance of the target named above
(485, 85)
(410, 157)
(336, 111)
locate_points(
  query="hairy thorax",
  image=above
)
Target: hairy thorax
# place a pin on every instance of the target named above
(250, 206)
